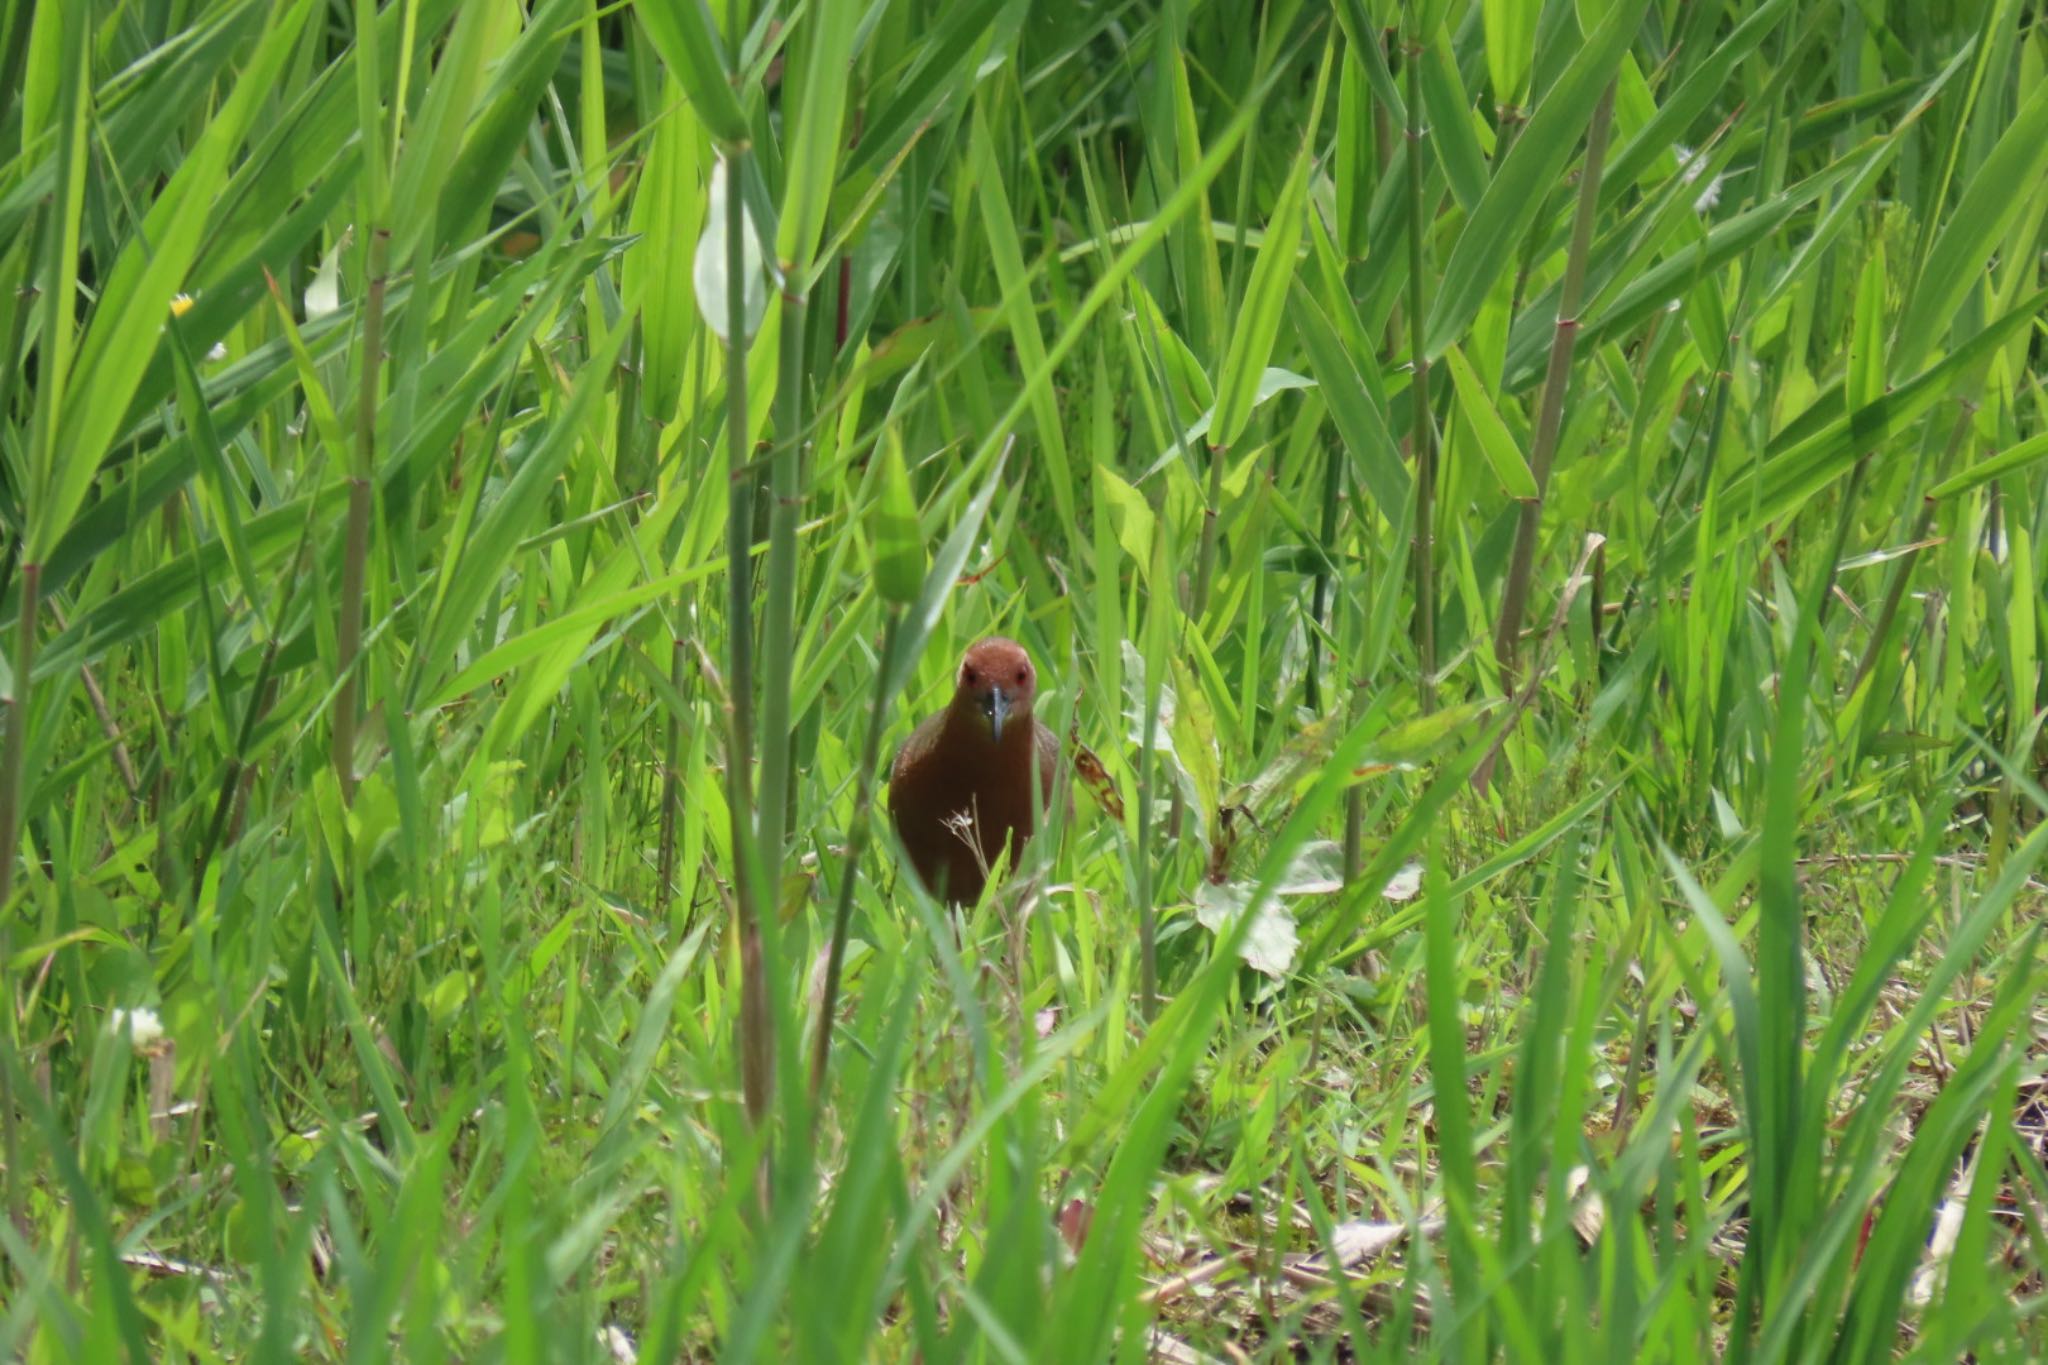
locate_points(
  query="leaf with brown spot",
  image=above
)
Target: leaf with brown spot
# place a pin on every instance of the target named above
(1095, 778)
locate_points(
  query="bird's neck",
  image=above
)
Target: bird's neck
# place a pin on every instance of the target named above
(967, 732)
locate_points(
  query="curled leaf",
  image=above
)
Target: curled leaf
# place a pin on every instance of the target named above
(1095, 778)
(710, 274)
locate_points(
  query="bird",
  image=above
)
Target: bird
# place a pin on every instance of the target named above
(961, 784)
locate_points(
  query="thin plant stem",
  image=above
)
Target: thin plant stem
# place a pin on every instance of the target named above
(671, 754)
(756, 1040)
(356, 548)
(1154, 654)
(1550, 415)
(1423, 439)
(856, 847)
(778, 623)
(11, 762)
(1205, 563)
(1333, 468)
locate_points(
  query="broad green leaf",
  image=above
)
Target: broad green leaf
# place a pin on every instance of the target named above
(940, 580)
(128, 321)
(433, 139)
(2004, 462)
(1274, 381)
(1987, 208)
(1265, 298)
(504, 522)
(1354, 156)
(1418, 739)
(1495, 441)
(1133, 516)
(1360, 423)
(1007, 253)
(1510, 47)
(1792, 474)
(1526, 177)
(668, 211)
(682, 32)
(942, 63)
(895, 540)
(1703, 84)
(813, 158)
(1450, 124)
(470, 187)
(1184, 198)
(1865, 383)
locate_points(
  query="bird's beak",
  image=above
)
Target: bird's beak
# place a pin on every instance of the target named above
(998, 707)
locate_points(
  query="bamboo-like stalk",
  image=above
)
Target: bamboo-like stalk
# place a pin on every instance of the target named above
(1557, 379)
(1148, 760)
(1332, 481)
(23, 662)
(1148, 950)
(856, 847)
(356, 548)
(778, 622)
(1205, 563)
(756, 1040)
(1423, 438)
(11, 757)
(671, 755)
(1354, 799)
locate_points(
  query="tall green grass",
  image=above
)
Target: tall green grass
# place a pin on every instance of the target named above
(1536, 512)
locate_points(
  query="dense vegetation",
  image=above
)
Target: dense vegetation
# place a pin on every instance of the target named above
(1531, 516)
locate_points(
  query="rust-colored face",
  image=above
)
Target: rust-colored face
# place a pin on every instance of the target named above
(997, 684)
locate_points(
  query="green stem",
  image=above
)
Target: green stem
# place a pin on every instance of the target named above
(671, 752)
(1423, 439)
(1148, 760)
(1333, 469)
(756, 1040)
(856, 847)
(11, 758)
(11, 762)
(356, 549)
(1205, 564)
(778, 624)
(1550, 415)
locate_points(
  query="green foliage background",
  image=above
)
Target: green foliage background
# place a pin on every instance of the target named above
(447, 685)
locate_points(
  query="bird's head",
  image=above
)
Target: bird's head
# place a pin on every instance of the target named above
(997, 685)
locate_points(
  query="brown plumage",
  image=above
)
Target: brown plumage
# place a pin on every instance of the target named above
(977, 756)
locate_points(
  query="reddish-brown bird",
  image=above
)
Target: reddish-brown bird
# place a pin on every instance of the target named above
(977, 758)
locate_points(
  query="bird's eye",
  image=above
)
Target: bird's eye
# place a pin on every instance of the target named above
(1023, 676)
(967, 676)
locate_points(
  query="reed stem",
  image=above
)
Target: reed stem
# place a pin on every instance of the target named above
(857, 837)
(11, 763)
(356, 548)
(1550, 415)
(1423, 437)
(757, 1048)
(778, 623)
